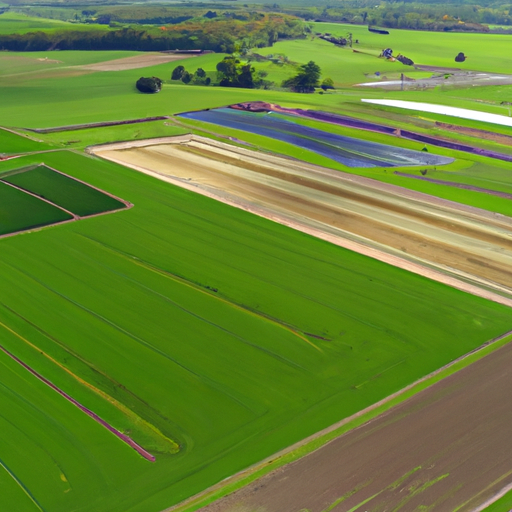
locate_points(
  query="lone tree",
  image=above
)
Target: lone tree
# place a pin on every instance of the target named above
(177, 72)
(306, 79)
(149, 84)
(327, 83)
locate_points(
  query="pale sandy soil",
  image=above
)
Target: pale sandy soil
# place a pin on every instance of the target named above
(135, 62)
(465, 247)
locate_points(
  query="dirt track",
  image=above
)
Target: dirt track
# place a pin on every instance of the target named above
(430, 236)
(447, 447)
(136, 62)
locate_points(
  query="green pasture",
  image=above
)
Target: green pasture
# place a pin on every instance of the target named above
(341, 64)
(19, 211)
(14, 143)
(193, 326)
(200, 319)
(42, 93)
(73, 195)
(18, 23)
(44, 432)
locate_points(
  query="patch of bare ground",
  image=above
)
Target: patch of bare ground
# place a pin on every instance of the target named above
(447, 448)
(475, 132)
(135, 62)
(465, 247)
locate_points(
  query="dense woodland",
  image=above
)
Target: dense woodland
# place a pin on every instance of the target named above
(219, 34)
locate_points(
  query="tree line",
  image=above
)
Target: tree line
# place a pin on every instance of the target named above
(218, 35)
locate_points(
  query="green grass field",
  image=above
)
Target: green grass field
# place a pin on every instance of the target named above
(233, 372)
(63, 191)
(183, 321)
(17, 23)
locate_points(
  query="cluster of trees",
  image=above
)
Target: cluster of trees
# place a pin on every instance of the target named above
(150, 84)
(306, 79)
(231, 72)
(197, 78)
(219, 35)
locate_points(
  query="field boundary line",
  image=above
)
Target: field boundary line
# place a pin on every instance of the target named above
(74, 217)
(314, 442)
(493, 499)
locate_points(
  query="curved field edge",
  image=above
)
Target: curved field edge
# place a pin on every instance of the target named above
(316, 441)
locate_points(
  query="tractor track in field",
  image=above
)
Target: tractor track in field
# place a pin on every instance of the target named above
(123, 437)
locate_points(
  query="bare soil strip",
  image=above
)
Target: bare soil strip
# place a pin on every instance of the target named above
(464, 247)
(135, 62)
(447, 448)
(130, 442)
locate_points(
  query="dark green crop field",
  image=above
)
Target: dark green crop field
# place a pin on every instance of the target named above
(200, 320)
(20, 211)
(63, 191)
